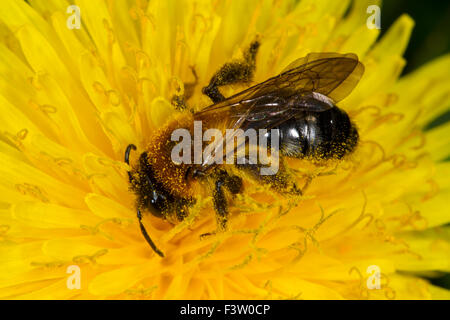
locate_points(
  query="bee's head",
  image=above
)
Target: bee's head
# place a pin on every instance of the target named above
(151, 195)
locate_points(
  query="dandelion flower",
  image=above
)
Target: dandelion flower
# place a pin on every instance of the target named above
(71, 100)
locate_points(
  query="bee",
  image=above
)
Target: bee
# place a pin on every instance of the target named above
(300, 103)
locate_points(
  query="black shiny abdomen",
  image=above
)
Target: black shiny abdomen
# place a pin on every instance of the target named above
(326, 134)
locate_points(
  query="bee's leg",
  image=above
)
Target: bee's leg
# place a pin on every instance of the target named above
(221, 208)
(233, 72)
(179, 99)
(221, 205)
(234, 185)
(282, 181)
(146, 236)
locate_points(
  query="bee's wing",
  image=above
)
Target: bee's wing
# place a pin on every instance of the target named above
(332, 74)
(251, 115)
(317, 77)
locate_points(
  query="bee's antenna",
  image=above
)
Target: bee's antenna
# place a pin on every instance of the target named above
(146, 236)
(127, 159)
(139, 215)
(127, 152)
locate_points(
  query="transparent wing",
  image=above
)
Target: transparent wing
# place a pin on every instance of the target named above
(331, 74)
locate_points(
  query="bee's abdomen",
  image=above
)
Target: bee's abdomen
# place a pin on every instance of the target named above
(321, 135)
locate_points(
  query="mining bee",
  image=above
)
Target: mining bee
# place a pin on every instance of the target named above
(300, 103)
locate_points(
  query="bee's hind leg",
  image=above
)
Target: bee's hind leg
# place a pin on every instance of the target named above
(233, 72)
(283, 182)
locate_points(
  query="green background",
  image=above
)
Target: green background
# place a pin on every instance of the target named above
(430, 36)
(430, 39)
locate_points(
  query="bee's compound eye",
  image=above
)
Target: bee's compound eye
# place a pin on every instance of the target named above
(156, 204)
